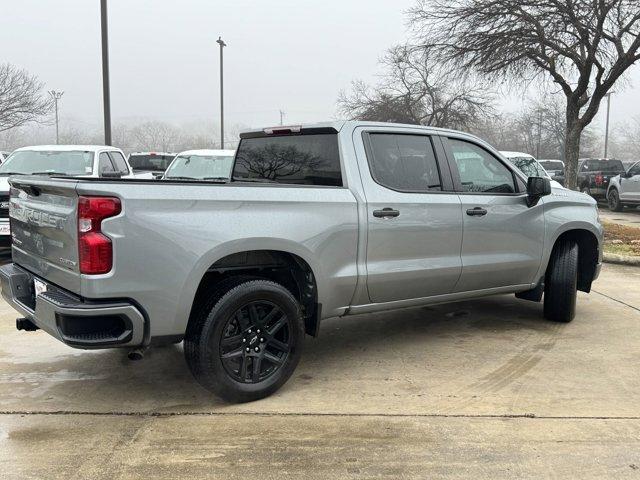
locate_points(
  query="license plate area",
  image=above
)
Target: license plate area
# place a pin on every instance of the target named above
(5, 229)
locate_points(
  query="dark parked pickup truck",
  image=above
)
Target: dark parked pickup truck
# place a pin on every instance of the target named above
(594, 175)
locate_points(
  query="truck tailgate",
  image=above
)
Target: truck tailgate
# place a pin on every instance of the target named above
(43, 215)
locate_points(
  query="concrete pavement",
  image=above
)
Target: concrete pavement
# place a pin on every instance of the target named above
(629, 216)
(482, 389)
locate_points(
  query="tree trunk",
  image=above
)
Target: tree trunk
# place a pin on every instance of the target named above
(572, 147)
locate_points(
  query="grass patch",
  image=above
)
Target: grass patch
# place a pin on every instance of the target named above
(621, 239)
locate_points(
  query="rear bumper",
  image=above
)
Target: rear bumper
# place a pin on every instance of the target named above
(599, 192)
(79, 323)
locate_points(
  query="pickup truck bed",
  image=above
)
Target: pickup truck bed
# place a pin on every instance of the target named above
(319, 221)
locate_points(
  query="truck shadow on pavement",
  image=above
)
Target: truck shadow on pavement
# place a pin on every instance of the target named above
(408, 349)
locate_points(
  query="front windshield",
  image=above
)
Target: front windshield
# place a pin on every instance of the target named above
(529, 166)
(200, 167)
(27, 162)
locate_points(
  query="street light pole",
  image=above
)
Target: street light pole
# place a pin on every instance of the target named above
(56, 96)
(106, 95)
(606, 134)
(222, 45)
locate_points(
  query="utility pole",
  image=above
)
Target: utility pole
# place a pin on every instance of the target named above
(222, 45)
(56, 96)
(606, 134)
(106, 95)
(282, 114)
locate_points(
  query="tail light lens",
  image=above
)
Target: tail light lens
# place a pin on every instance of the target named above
(94, 248)
(599, 179)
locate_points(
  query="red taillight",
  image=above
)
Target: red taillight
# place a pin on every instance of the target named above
(599, 179)
(94, 248)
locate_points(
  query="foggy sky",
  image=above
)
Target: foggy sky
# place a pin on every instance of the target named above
(282, 54)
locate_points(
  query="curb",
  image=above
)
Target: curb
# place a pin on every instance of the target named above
(621, 259)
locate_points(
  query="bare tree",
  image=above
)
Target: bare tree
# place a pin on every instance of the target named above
(21, 98)
(417, 90)
(274, 161)
(583, 46)
(156, 135)
(538, 128)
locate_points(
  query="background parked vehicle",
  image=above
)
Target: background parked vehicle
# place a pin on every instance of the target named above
(594, 175)
(552, 167)
(64, 160)
(317, 221)
(527, 164)
(201, 165)
(624, 189)
(155, 163)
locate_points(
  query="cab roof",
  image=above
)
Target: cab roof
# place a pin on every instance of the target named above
(67, 148)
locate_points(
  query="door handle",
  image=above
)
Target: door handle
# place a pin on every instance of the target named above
(477, 212)
(386, 213)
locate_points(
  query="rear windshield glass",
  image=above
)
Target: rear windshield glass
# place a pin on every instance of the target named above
(552, 164)
(65, 163)
(200, 167)
(295, 159)
(156, 163)
(604, 165)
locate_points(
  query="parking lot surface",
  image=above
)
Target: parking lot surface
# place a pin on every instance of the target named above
(479, 389)
(629, 216)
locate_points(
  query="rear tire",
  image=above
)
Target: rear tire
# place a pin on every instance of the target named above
(615, 205)
(246, 341)
(561, 283)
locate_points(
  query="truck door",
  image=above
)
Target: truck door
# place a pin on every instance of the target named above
(503, 237)
(414, 219)
(630, 186)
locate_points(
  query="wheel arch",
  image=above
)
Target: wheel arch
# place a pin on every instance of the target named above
(284, 262)
(588, 254)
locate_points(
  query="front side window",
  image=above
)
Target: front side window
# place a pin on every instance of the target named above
(105, 165)
(200, 167)
(404, 162)
(635, 170)
(480, 172)
(119, 162)
(311, 159)
(26, 162)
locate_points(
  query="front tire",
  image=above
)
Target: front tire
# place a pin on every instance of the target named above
(246, 341)
(561, 283)
(615, 205)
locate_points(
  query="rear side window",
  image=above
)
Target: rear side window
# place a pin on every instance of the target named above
(119, 162)
(294, 159)
(404, 162)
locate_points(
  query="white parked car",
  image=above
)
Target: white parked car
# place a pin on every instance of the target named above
(67, 160)
(214, 165)
(528, 165)
(624, 189)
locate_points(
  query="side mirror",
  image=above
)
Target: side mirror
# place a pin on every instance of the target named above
(537, 187)
(626, 175)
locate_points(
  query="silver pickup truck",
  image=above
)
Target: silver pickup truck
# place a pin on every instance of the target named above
(318, 221)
